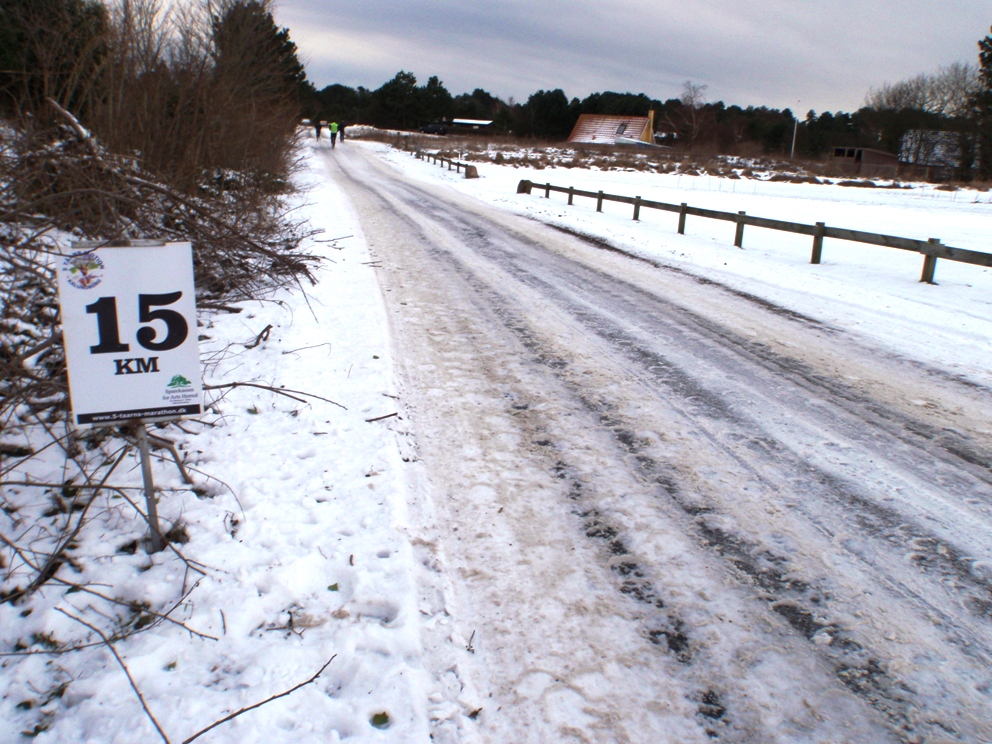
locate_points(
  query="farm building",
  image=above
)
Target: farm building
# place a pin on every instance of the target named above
(599, 129)
(863, 161)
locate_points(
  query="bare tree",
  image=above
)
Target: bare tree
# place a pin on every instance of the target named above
(689, 119)
(944, 93)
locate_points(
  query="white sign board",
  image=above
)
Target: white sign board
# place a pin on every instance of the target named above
(129, 325)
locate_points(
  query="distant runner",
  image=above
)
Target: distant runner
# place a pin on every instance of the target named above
(334, 133)
(318, 125)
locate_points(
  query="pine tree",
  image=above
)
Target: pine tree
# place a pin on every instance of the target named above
(982, 109)
(396, 103)
(257, 57)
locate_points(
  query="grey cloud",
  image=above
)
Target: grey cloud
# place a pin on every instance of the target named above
(775, 52)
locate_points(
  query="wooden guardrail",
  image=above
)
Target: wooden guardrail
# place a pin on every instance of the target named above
(931, 249)
(470, 170)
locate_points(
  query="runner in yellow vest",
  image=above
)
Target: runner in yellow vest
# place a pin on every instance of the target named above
(334, 132)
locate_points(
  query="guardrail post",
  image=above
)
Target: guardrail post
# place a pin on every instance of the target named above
(547, 191)
(449, 165)
(682, 208)
(458, 167)
(637, 207)
(818, 243)
(929, 264)
(524, 187)
(739, 236)
(571, 193)
(599, 202)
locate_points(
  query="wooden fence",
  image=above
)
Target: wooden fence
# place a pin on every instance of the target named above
(931, 249)
(470, 170)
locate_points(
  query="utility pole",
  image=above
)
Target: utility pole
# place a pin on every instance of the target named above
(795, 131)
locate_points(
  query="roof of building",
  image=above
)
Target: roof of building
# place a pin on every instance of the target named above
(473, 122)
(862, 149)
(599, 129)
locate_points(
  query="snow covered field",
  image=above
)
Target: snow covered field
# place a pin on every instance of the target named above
(871, 290)
(310, 543)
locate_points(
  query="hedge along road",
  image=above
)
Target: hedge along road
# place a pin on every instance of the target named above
(656, 510)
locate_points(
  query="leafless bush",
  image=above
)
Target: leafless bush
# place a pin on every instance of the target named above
(239, 253)
(176, 169)
(166, 82)
(188, 106)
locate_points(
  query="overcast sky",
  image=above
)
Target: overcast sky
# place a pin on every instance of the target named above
(801, 54)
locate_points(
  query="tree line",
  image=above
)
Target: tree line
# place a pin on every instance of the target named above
(956, 99)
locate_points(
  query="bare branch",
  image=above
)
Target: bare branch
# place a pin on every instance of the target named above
(215, 724)
(281, 391)
(120, 661)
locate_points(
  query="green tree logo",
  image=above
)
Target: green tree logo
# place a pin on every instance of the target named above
(179, 381)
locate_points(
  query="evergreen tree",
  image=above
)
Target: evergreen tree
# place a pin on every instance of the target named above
(342, 104)
(435, 101)
(477, 105)
(981, 103)
(549, 114)
(259, 87)
(396, 103)
(255, 56)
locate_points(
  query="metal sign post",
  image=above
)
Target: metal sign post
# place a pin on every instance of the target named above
(156, 542)
(129, 323)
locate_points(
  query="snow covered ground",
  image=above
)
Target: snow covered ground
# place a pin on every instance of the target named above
(296, 546)
(308, 527)
(871, 290)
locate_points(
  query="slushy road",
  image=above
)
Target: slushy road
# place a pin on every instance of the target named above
(653, 509)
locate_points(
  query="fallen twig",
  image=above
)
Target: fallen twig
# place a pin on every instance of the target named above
(55, 560)
(225, 719)
(120, 661)
(380, 418)
(281, 391)
(263, 336)
(123, 603)
(162, 442)
(304, 348)
(217, 306)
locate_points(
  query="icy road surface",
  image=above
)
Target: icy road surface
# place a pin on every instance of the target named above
(656, 510)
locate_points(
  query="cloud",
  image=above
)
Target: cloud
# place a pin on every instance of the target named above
(821, 54)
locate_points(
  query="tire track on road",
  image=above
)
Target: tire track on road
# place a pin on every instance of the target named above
(787, 594)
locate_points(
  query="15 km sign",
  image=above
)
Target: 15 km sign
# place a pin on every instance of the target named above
(129, 324)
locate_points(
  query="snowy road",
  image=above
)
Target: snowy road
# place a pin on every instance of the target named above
(656, 510)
